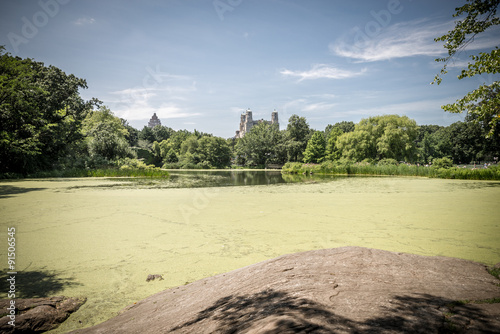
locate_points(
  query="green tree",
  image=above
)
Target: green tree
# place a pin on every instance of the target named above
(132, 133)
(260, 145)
(332, 152)
(380, 137)
(316, 148)
(161, 132)
(40, 114)
(298, 134)
(106, 135)
(483, 102)
(147, 134)
(215, 151)
(343, 126)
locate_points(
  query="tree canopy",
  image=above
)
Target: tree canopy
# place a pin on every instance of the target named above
(483, 102)
(41, 111)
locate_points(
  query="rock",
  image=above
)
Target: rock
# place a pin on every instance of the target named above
(341, 290)
(153, 277)
(37, 315)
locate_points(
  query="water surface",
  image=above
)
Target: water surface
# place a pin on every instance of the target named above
(100, 238)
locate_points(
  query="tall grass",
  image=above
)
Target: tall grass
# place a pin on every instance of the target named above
(361, 168)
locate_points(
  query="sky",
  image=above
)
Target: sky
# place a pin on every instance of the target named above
(199, 64)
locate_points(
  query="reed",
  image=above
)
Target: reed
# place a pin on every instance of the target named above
(364, 168)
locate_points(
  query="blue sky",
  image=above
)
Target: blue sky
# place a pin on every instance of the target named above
(200, 63)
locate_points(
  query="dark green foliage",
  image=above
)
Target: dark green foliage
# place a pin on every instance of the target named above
(261, 145)
(484, 102)
(41, 112)
(347, 167)
(442, 163)
(297, 135)
(316, 148)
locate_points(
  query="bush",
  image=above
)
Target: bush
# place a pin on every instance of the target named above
(387, 162)
(442, 162)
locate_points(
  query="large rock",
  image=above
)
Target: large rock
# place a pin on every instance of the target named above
(37, 315)
(343, 290)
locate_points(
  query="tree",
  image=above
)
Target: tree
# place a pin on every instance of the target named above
(332, 152)
(483, 102)
(147, 134)
(215, 151)
(40, 114)
(343, 126)
(132, 133)
(161, 132)
(260, 145)
(316, 148)
(298, 134)
(380, 137)
(106, 135)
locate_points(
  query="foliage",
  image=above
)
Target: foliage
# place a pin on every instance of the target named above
(442, 163)
(40, 114)
(316, 148)
(345, 167)
(388, 162)
(106, 135)
(483, 102)
(379, 137)
(261, 145)
(297, 135)
(343, 126)
(332, 151)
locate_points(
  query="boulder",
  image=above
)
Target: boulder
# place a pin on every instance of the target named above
(341, 290)
(37, 315)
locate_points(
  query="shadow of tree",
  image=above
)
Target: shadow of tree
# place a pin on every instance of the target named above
(273, 311)
(35, 284)
(7, 191)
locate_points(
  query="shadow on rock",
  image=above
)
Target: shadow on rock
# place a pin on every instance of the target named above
(37, 283)
(273, 311)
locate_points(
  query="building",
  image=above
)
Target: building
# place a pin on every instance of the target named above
(247, 122)
(154, 121)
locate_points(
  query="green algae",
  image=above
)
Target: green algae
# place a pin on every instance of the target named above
(100, 238)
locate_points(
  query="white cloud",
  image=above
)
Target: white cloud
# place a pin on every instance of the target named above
(139, 103)
(405, 39)
(84, 20)
(322, 71)
(396, 41)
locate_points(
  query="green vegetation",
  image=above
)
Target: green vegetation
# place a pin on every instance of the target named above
(48, 130)
(346, 167)
(483, 103)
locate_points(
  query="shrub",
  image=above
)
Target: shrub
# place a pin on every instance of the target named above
(387, 162)
(442, 162)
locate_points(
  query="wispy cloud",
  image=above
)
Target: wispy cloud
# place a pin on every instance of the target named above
(84, 21)
(399, 40)
(405, 39)
(322, 71)
(139, 103)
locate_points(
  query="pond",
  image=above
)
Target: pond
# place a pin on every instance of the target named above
(100, 238)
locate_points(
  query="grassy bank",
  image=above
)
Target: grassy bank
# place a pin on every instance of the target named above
(103, 172)
(121, 168)
(361, 168)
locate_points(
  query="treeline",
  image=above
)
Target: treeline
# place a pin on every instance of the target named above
(386, 138)
(47, 129)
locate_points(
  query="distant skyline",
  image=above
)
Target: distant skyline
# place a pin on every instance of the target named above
(200, 64)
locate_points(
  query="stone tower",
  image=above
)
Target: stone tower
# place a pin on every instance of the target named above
(247, 122)
(274, 117)
(154, 121)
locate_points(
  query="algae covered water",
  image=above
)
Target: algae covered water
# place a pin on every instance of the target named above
(101, 238)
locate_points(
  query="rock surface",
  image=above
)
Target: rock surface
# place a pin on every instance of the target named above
(341, 290)
(37, 315)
